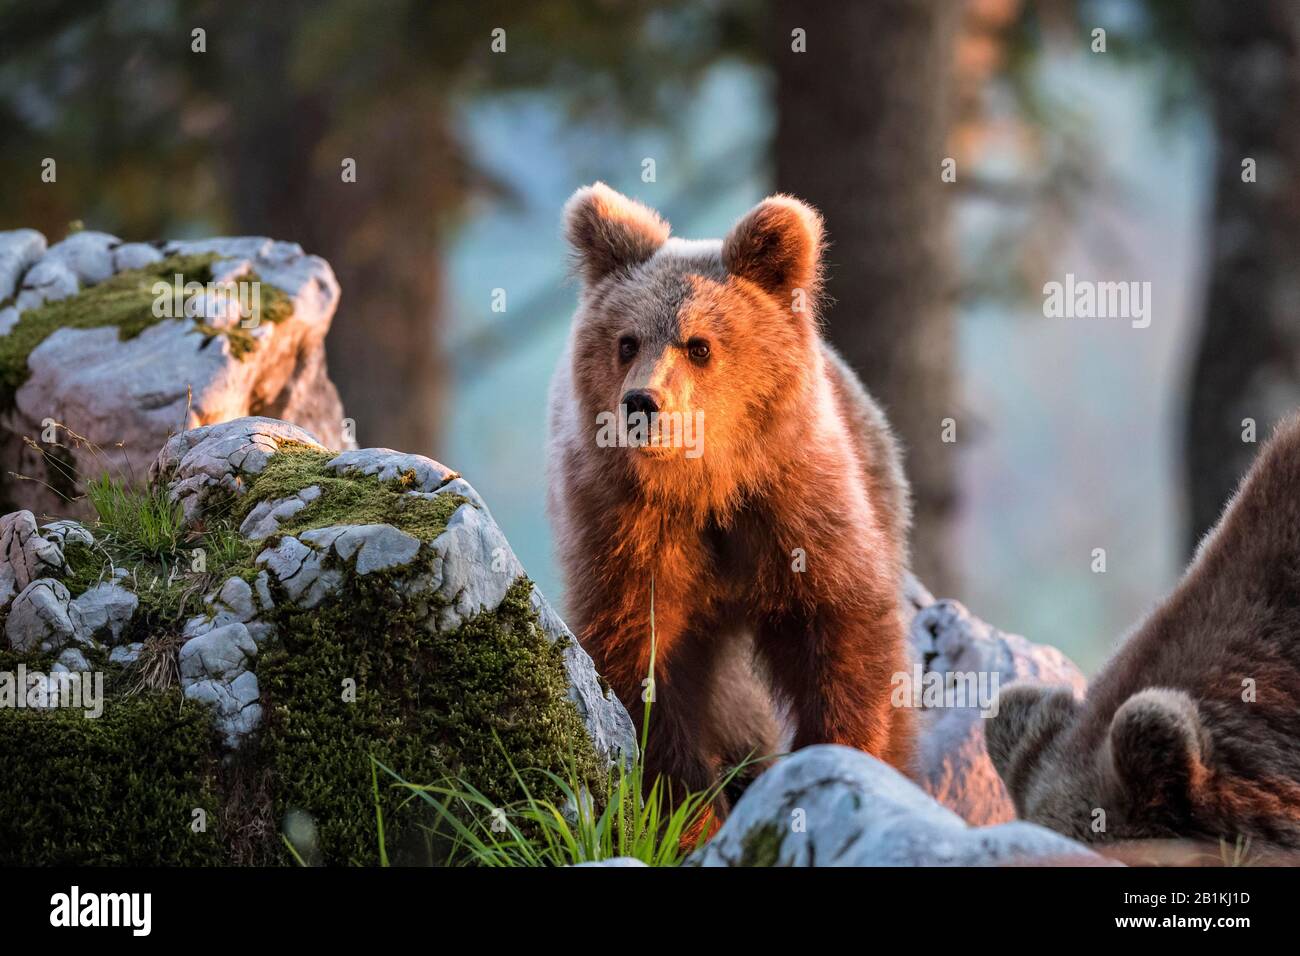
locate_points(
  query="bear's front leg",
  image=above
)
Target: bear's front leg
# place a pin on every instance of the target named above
(680, 745)
(616, 632)
(834, 664)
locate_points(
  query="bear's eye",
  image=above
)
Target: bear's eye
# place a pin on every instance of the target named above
(627, 348)
(698, 350)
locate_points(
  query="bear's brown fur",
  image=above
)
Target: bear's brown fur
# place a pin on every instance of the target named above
(1168, 742)
(796, 459)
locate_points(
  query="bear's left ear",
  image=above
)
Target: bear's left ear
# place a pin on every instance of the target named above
(1157, 746)
(777, 246)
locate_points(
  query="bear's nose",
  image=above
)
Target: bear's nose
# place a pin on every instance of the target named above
(641, 400)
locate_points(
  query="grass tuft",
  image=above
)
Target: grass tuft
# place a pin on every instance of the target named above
(140, 522)
(655, 826)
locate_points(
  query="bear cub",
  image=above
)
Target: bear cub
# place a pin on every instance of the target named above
(706, 441)
(1193, 728)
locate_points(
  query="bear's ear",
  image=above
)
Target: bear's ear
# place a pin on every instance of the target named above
(1028, 718)
(1157, 747)
(609, 231)
(777, 246)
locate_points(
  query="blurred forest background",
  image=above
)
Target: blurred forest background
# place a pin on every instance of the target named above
(1122, 164)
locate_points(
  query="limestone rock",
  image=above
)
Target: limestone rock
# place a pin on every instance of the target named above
(835, 806)
(218, 460)
(126, 653)
(25, 552)
(264, 519)
(40, 618)
(116, 391)
(19, 251)
(215, 671)
(470, 566)
(74, 660)
(951, 760)
(104, 610)
(389, 465)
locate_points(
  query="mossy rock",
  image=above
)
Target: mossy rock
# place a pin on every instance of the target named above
(126, 301)
(106, 347)
(384, 665)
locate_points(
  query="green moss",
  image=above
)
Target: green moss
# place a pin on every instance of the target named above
(118, 789)
(125, 300)
(85, 567)
(427, 705)
(168, 587)
(345, 500)
(761, 846)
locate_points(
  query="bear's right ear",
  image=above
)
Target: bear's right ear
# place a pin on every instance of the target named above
(777, 246)
(1028, 718)
(1157, 746)
(609, 231)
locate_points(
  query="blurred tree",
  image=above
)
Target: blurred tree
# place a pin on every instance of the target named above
(863, 119)
(1240, 64)
(249, 136)
(1247, 362)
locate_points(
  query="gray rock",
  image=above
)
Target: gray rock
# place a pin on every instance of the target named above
(215, 671)
(223, 653)
(20, 249)
(47, 281)
(217, 460)
(74, 660)
(473, 567)
(8, 319)
(265, 517)
(470, 565)
(237, 247)
(26, 552)
(113, 391)
(126, 653)
(389, 465)
(39, 618)
(301, 571)
(377, 547)
(614, 861)
(835, 806)
(262, 586)
(106, 607)
(87, 255)
(235, 706)
(134, 255)
(67, 532)
(606, 719)
(8, 586)
(952, 763)
(234, 602)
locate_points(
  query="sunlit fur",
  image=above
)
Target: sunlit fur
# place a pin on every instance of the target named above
(795, 456)
(1164, 743)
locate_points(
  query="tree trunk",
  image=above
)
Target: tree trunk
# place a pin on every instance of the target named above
(862, 124)
(382, 234)
(1247, 365)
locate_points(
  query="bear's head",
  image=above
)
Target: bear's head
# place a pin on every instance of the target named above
(709, 341)
(1140, 775)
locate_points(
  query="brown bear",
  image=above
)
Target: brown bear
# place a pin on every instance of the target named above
(1193, 728)
(771, 516)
